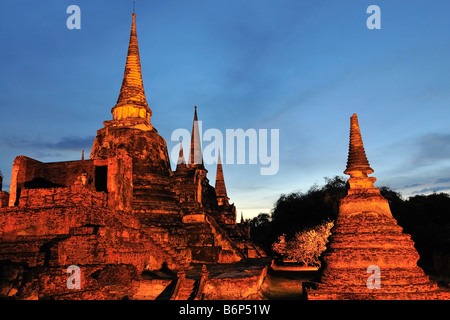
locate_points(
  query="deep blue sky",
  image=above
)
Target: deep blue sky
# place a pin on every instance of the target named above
(303, 67)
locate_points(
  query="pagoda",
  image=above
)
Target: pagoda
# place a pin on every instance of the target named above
(123, 215)
(369, 257)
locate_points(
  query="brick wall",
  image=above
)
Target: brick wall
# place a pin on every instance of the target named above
(36, 183)
(28, 173)
(70, 196)
(4, 199)
(239, 288)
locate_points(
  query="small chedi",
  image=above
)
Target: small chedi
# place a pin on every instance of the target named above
(121, 213)
(368, 255)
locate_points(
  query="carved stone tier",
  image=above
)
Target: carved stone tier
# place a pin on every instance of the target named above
(367, 246)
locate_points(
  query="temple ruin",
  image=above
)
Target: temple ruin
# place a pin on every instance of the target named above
(136, 229)
(121, 214)
(368, 256)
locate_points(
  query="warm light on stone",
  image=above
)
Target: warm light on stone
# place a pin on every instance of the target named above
(132, 102)
(121, 213)
(365, 236)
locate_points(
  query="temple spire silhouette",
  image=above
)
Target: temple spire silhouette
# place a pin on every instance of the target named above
(132, 102)
(221, 190)
(181, 163)
(196, 157)
(357, 163)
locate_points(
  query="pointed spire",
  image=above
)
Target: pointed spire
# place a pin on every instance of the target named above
(181, 155)
(221, 190)
(196, 157)
(242, 218)
(132, 102)
(181, 164)
(357, 163)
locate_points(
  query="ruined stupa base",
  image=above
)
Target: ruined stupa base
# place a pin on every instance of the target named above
(368, 256)
(362, 242)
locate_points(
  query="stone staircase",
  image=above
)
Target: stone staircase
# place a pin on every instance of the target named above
(178, 259)
(200, 239)
(185, 289)
(156, 205)
(152, 191)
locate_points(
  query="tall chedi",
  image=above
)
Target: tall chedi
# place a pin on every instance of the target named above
(195, 164)
(131, 128)
(195, 156)
(132, 103)
(221, 190)
(181, 163)
(368, 255)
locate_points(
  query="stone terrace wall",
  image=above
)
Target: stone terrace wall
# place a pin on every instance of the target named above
(235, 288)
(53, 221)
(71, 196)
(62, 173)
(4, 199)
(30, 174)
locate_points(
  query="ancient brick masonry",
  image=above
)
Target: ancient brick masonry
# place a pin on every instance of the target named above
(181, 202)
(4, 196)
(119, 214)
(221, 190)
(366, 234)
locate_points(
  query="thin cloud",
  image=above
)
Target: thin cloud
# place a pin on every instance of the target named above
(432, 189)
(432, 147)
(411, 185)
(71, 143)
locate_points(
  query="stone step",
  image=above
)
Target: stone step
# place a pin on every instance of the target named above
(155, 202)
(152, 213)
(152, 189)
(165, 246)
(154, 195)
(186, 291)
(146, 185)
(151, 180)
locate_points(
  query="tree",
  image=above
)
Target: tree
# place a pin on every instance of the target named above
(306, 246)
(297, 211)
(261, 230)
(427, 219)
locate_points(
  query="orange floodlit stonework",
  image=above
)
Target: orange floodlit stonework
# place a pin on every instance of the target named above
(124, 225)
(132, 102)
(368, 255)
(123, 215)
